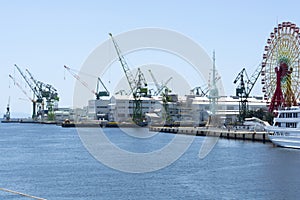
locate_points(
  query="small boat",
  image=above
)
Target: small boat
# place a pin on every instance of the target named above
(285, 131)
(255, 124)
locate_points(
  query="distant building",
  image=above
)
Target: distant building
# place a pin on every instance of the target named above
(189, 108)
(61, 114)
(121, 107)
(99, 108)
(76, 114)
(228, 106)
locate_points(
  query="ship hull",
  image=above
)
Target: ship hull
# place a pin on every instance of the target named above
(284, 137)
(286, 141)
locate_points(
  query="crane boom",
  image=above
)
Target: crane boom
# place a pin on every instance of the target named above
(34, 89)
(126, 69)
(253, 79)
(25, 93)
(154, 79)
(79, 79)
(46, 90)
(20, 87)
(238, 77)
(31, 77)
(160, 89)
(97, 93)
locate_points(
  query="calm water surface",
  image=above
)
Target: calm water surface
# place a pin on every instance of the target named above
(51, 162)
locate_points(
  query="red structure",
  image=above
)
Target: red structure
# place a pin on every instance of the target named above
(277, 98)
(283, 74)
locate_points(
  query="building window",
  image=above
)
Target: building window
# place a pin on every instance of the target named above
(230, 107)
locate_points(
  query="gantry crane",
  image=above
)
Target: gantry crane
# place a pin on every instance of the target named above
(244, 88)
(137, 85)
(159, 88)
(97, 93)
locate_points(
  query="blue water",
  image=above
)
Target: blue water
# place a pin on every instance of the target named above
(51, 162)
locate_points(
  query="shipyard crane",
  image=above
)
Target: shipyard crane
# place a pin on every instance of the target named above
(97, 93)
(137, 86)
(159, 88)
(164, 90)
(46, 91)
(50, 93)
(36, 92)
(141, 84)
(244, 88)
(38, 84)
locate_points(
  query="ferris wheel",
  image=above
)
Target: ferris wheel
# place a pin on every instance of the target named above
(281, 66)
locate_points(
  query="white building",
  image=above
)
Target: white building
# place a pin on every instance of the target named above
(186, 108)
(228, 107)
(99, 108)
(76, 114)
(121, 107)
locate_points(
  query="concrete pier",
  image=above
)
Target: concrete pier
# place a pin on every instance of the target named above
(235, 134)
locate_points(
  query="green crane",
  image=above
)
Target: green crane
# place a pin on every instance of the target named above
(137, 84)
(244, 88)
(48, 92)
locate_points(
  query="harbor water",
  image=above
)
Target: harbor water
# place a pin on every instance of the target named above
(51, 162)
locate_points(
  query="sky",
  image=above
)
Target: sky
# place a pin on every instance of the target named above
(43, 36)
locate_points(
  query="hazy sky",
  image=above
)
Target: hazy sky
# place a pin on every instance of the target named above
(45, 35)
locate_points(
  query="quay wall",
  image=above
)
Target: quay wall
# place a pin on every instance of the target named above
(249, 135)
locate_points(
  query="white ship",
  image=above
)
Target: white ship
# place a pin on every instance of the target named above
(285, 131)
